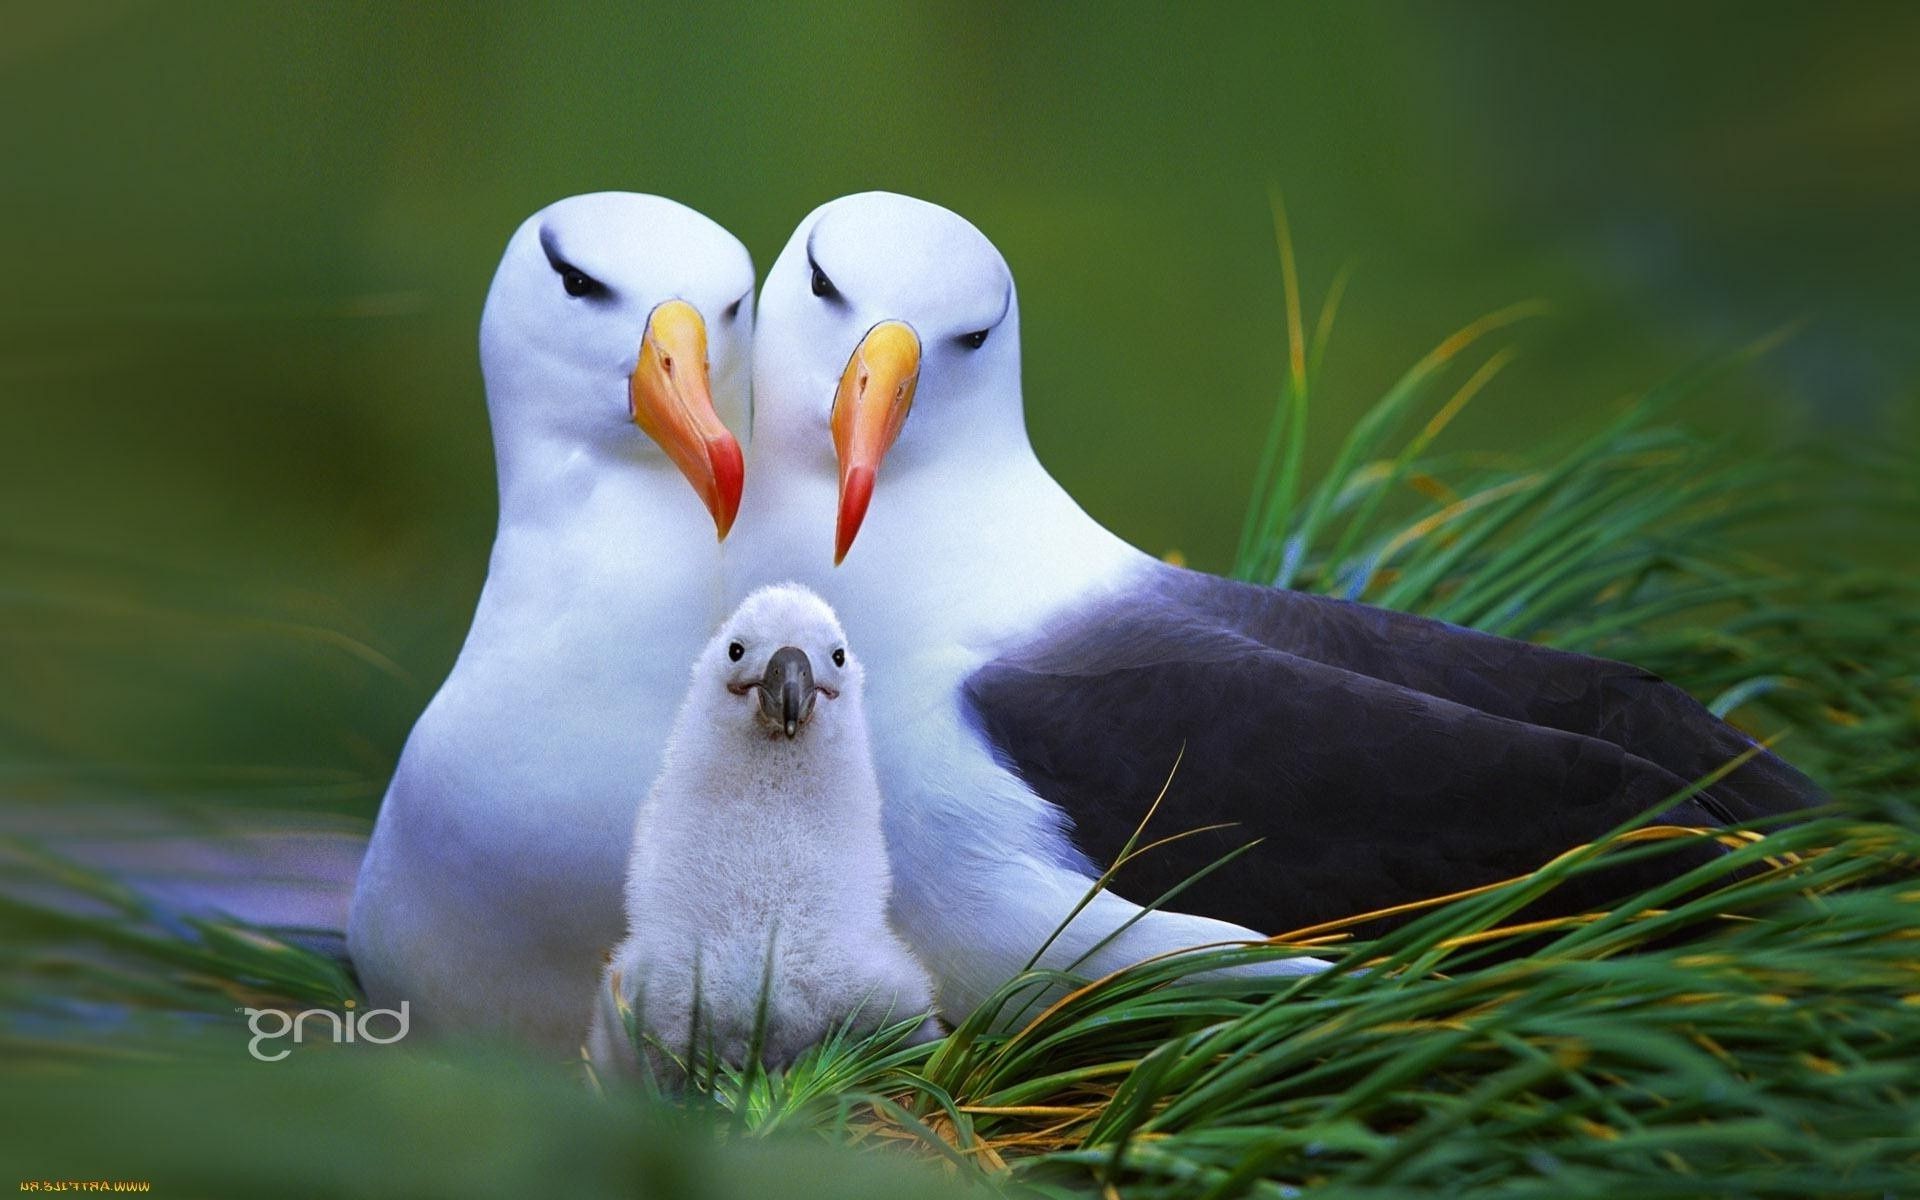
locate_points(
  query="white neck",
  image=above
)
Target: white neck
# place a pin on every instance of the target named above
(554, 481)
(605, 536)
(961, 552)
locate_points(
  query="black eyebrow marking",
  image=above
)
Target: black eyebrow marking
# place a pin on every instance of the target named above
(555, 259)
(550, 247)
(835, 296)
(1006, 306)
(733, 310)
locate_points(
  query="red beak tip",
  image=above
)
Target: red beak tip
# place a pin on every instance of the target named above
(856, 492)
(729, 476)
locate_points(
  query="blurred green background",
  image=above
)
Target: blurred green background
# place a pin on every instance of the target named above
(245, 474)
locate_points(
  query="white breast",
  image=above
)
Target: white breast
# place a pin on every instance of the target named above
(492, 888)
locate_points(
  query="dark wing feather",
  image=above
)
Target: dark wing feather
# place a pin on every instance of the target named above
(1366, 790)
(1616, 702)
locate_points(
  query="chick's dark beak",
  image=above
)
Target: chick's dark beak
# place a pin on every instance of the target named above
(786, 690)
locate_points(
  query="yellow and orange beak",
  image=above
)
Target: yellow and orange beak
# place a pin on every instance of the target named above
(673, 403)
(871, 405)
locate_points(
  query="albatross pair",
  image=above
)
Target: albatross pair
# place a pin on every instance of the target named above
(1031, 677)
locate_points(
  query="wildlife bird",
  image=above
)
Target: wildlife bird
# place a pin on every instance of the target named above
(491, 889)
(1035, 678)
(757, 893)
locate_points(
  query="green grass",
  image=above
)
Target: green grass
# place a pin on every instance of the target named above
(1642, 540)
(1751, 1029)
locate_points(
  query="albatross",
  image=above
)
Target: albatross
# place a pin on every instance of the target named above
(1033, 679)
(492, 886)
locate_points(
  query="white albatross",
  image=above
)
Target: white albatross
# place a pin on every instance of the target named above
(492, 887)
(1033, 678)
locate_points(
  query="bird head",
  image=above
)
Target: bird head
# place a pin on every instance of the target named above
(881, 308)
(783, 659)
(622, 323)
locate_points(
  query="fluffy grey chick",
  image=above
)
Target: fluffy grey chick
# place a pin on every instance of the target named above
(758, 862)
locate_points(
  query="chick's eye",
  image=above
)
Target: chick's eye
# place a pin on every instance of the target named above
(735, 650)
(976, 339)
(839, 657)
(822, 286)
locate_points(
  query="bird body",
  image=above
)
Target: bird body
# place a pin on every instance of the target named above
(1036, 679)
(758, 862)
(492, 885)
(986, 868)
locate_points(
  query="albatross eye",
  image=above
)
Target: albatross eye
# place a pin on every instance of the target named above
(839, 656)
(578, 283)
(976, 339)
(822, 286)
(735, 650)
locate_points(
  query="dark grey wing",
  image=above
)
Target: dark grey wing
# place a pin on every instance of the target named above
(1594, 697)
(1366, 792)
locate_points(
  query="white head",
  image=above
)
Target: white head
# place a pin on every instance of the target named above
(779, 669)
(615, 310)
(880, 305)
